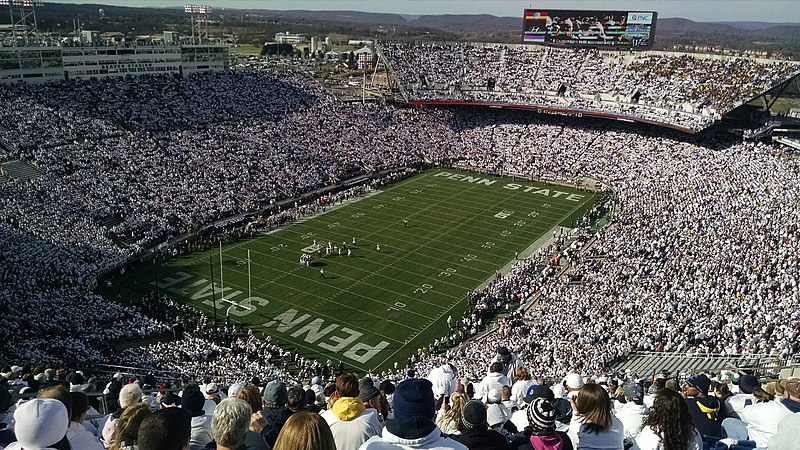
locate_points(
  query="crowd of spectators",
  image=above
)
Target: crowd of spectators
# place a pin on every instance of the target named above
(688, 91)
(700, 256)
(506, 409)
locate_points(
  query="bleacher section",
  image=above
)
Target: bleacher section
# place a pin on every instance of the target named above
(686, 92)
(20, 170)
(646, 363)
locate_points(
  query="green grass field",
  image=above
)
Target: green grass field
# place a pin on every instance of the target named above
(374, 308)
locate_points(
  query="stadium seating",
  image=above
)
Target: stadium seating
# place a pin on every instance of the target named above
(689, 92)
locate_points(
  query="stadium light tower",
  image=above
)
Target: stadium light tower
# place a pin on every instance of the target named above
(23, 18)
(199, 17)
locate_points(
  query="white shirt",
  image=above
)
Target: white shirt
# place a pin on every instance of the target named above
(648, 440)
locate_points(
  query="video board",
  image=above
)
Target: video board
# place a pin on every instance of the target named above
(622, 29)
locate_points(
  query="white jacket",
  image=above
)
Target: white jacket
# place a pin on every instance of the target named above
(762, 420)
(631, 415)
(740, 401)
(350, 434)
(787, 436)
(648, 440)
(519, 390)
(433, 441)
(608, 440)
(493, 380)
(80, 438)
(443, 380)
(201, 432)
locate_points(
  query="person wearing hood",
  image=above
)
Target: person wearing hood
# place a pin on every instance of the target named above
(475, 431)
(444, 380)
(413, 426)
(703, 408)
(193, 401)
(633, 412)
(275, 412)
(493, 380)
(510, 363)
(350, 421)
(129, 395)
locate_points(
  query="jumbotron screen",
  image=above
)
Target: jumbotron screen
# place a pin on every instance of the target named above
(590, 28)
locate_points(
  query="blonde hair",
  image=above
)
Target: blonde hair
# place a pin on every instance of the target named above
(457, 402)
(522, 373)
(305, 431)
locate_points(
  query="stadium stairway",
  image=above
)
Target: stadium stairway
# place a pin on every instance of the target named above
(646, 363)
(21, 170)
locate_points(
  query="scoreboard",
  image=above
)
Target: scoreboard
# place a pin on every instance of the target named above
(623, 29)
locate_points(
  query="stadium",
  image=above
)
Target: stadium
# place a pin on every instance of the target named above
(573, 211)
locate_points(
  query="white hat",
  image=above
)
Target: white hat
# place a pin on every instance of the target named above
(212, 388)
(315, 380)
(130, 394)
(574, 381)
(16, 369)
(234, 390)
(496, 415)
(40, 423)
(493, 396)
(558, 390)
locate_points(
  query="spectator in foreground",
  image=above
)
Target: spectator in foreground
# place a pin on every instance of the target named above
(668, 426)
(40, 424)
(305, 431)
(275, 412)
(77, 435)
(475, 432)
(230, 427)
(127, 430)
(449, 420)
(412, 426)
(129, 395)
(541, 430)
(703, 408)
(633, 411)
(760, 421)
(193, 402)
(166, 429)
(350, 421)
(592, 425)
(788, 434)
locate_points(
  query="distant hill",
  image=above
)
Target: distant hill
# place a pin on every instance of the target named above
(253, 25)
(755, 25)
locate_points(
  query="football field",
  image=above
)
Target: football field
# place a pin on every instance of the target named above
(442, 233)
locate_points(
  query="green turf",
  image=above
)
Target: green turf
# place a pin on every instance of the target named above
(373, 309)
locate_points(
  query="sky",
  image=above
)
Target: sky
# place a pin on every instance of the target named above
(779, 11)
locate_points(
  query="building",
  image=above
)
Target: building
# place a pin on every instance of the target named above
(53, 63)
(89, 37)
(365, 58)
(288, 38)
(170, 38)
(359, 42)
